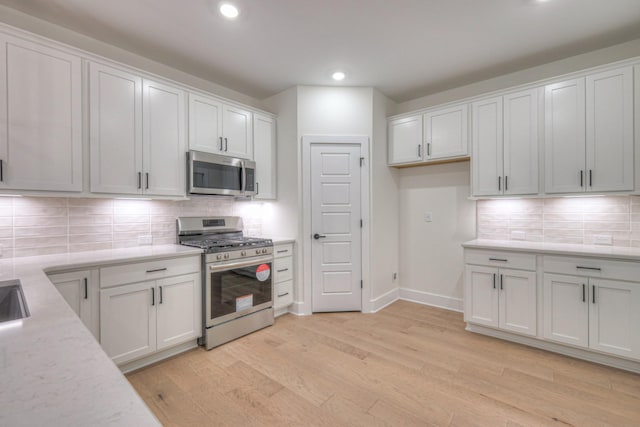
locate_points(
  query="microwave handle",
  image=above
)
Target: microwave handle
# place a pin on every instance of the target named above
(244, 177)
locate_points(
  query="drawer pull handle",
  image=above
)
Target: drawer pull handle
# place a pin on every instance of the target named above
(283, 295)
(498, 259)
(589, 268)
(283, 270)
(283, 251)
(156, 270)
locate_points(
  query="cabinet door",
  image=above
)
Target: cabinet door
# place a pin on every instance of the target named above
(609, 104)
(566, 309)
(405, 140)
(115, 130)
(521, 142)
(481, 295)
(179, 319)
(128, 321)
(518, 301)
(264, 148)
(487, 147)
(614, 316)
(237, 129)
(445, 133)
(283, 294)
(80, 291)
(205, 124)
(40, 117)
(164, 152)
(565, 137)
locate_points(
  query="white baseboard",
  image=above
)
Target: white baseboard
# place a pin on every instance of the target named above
(435, 300)
(384, 300)
(297, 308)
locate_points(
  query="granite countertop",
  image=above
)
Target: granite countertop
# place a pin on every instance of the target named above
(599, 251)
(52, 370)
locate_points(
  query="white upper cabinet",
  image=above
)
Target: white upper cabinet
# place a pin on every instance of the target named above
(215, 127)
(115, 135)
(445, 133)
(163, 143)
(405, 140)
(610, 130)
(505, 144)
(589, 133)
(137, 134)
(40, 117)
(487, 147)
(264, 148)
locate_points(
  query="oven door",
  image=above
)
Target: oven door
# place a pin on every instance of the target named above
(236, 289)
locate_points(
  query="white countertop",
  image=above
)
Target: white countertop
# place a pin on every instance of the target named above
(280, 240)
(52, 370)
(599, 251)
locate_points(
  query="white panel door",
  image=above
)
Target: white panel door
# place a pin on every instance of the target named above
(521, 142)
(264, 149)
(128, 321)
(487, 147)
(405, 140)
(517, 301)
(614, 317)
(164, 148)
(566, 309)
(609, 103)
(205, 124)
(481, 295)
(115, 130)
(80, 291)
(335, 222)
(237, 129)
(445, 133)
(565, 137)
(179, 312)
(40, 117)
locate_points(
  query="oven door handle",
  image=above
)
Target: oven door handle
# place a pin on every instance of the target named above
(213, 268)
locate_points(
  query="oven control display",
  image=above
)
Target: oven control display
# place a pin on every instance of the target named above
(263, 272)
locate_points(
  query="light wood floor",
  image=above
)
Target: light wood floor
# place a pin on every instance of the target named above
(406, 365)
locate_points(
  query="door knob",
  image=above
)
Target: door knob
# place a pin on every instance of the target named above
(318, 236)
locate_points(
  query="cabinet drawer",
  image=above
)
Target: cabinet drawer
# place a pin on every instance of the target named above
(149, 270)
(283, 269)
(592, 267)
(283, 294)
(280, 251)
(517, 260)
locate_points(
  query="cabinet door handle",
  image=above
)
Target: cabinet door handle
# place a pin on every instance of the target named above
(153, 296)
(86, 289)
(221, 145)
(283, 295)
(1, 171)
(156, 270)
(593, 293)
(257, 188)
(499, 259)
(147, 176)
(590, 178)
(226, 144)
(283, 270)
(419, 150)
(428, 148)
(506, 183)
(160, 287)
(501, 288)
(494, 280)
(579, 267)
(584, 293)
(499, 183)
(139, 180)
(581, 178)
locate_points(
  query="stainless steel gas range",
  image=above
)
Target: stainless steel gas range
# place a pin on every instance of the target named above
(237, 280)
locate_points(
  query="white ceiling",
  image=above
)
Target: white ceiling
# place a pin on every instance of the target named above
(405, 48)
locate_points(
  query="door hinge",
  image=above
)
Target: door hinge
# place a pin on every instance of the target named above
(360, 223)
(361, 161)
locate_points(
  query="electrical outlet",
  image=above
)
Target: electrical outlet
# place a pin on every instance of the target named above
(602, 239)
(145, 239)
(518, 235)
(428, 216)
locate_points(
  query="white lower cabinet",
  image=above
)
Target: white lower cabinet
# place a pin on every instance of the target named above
(282, 277)
(139, 319)
(80, 291)
(501, 298)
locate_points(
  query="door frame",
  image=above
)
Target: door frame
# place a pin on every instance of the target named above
(307, 142)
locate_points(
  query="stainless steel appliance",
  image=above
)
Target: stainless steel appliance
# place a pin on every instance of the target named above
(222, 175)
(237, 280)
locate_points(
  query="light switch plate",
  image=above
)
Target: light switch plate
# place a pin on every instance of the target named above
(518, 235)
(602, 239)
(428, 217)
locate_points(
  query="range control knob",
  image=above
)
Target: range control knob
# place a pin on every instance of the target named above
(243, 253)
(264, 251)
(226, 256)
(218, 257)
(258, 251)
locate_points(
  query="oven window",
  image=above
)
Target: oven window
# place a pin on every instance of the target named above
(240, 289)
(212, 175)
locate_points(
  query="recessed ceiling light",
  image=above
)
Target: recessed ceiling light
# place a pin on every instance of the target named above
(338, 75)
(229, 11)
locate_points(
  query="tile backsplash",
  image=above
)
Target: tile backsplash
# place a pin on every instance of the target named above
(562, 219)
(47, 225)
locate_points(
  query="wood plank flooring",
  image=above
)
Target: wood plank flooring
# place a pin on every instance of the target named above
(408, 365)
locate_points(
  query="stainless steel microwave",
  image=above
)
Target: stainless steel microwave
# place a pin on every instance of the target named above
(220, 175)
